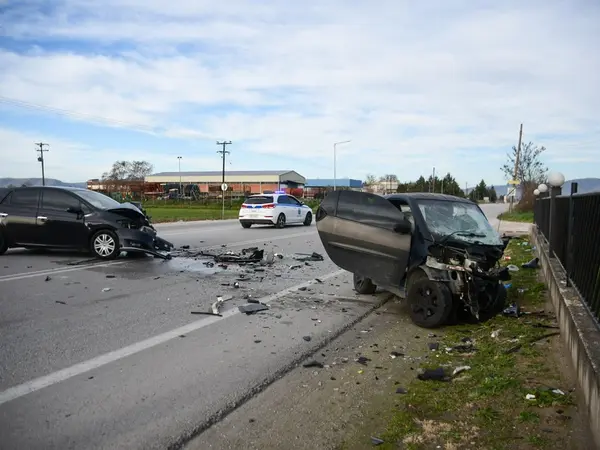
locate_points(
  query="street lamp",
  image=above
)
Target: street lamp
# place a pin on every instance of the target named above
(180, 186)
(334, 162)
(555, 180)
(536, 192)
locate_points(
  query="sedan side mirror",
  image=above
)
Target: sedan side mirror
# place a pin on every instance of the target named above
(403, 227)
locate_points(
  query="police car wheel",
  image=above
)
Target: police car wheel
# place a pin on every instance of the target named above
(280, 221)
(246, 224)
(308, 219)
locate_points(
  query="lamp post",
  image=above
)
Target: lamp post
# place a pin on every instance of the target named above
(542, 189)
(335, 162)
(180, 188)
(556, 181)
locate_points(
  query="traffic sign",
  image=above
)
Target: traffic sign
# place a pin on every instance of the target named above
(515, 182)
(224, 187)
(511, 192)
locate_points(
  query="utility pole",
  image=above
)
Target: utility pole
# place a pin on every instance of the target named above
(180, 186)
(223, 185)
(516, 172)
(433, 181)
(41, 158)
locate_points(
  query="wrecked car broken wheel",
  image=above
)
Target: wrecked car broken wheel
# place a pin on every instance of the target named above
(3, 243)
(308, 219)
(430, 303)
(246, 224)
(280, 221)
(105, 245)
(363, 285)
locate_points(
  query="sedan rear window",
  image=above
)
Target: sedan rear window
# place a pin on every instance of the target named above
(261, 200)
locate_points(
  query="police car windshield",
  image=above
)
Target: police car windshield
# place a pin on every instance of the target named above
(259, 200)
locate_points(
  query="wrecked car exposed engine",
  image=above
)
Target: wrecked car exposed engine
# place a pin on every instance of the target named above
(80, 219)
(438, 251)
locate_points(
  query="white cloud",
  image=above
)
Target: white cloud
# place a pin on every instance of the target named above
(413, 85)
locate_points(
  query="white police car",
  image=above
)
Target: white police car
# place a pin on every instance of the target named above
(277, 209)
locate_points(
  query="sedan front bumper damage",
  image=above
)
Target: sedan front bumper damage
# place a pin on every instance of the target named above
(144, 240)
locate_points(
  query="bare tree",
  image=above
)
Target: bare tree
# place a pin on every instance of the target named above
(119, 171)
(530, 170)
(370, 180)
(139, 170)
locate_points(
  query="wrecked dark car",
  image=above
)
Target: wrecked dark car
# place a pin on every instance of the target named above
(439, 252)
(78, 219)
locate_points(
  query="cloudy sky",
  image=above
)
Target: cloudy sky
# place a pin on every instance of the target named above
(413, 85)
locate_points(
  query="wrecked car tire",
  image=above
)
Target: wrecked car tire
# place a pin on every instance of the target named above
(105, 245)
(3, 243)
(308, 220)
(430, 303)
(246, 224)
(363, 285)
(280, 221)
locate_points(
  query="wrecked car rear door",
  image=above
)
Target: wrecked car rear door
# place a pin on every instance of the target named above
(366, 235)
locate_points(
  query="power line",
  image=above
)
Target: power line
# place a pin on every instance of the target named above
(76, 115)
(41, 150)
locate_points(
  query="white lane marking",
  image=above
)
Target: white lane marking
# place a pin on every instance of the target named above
(23, 275)
(94, 363)
(38, 273)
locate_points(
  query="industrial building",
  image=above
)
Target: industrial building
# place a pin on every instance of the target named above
(318, 187)
(239, 183)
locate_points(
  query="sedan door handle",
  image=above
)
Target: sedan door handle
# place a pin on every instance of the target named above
(42, 218)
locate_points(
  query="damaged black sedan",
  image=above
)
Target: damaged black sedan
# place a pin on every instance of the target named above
(438, 251)
(77, 219)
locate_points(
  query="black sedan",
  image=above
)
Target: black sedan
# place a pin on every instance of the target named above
(78, 219)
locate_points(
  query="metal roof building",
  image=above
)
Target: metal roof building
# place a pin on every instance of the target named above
(232, 176)
(339, 182)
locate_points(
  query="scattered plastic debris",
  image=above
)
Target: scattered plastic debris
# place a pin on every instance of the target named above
(252, 308)
(434, 374)
(401, 390)
(533, 264)
(217, 305)
(433, 346)
(61, 302)
(530, 397)
(394, 355)
(377, 441)
(557, 392)
(495, 334)
(512, 311)
(110, 276)
(512, 268)
(313, 364)
(307, 338)
(314, 256)
(460, 369)
(106, 289)
(362, 360)
(508, 285)
(47, 278)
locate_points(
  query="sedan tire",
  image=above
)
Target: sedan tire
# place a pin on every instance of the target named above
(280, 221)
(364, 285)
(3, 243)
(105, 245)
(246, 224)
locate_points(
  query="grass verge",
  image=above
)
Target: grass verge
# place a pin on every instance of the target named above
(486, 407)
(173, 212)
(516, 216)
(170, 214)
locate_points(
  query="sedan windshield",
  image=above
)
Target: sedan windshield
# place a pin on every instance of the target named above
(458, 221)
(100, 201)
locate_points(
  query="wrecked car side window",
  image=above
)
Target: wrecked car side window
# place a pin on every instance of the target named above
(369, 209)
(26, 198)
(59, 201)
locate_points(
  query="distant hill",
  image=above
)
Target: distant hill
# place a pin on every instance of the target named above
(5, 182)
(584, 185)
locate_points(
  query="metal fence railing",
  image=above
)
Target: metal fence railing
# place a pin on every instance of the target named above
(572, 228)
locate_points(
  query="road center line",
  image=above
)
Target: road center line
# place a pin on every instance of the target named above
(102, 360)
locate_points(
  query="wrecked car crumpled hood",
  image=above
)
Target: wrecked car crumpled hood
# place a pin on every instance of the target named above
(129, 211)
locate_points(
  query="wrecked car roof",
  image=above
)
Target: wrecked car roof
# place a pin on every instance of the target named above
(428, 196)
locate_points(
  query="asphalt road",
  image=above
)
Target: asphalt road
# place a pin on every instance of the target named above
(109, 355)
